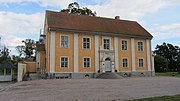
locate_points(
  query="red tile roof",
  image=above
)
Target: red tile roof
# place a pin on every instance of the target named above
(61, 20)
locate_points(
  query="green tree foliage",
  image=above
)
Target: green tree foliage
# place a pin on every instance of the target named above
(4, 55)
(20, 49)
(74, 8)
(161, 63)
(171, 53)
(29, 48)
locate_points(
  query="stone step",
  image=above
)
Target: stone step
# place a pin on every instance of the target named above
(108, 75)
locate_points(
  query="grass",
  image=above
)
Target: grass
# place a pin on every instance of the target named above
(168, 74)
(162, 98)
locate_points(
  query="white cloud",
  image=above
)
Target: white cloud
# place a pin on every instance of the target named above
(16, 27)
(169, 31)
(45, 3)
(59, 3)
(13, 23)
(131, 9)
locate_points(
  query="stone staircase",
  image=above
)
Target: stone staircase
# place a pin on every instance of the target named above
(108, 75)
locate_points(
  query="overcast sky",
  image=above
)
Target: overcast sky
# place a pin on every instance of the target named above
(21, 19)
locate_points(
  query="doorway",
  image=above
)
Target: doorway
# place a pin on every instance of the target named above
(108, 67)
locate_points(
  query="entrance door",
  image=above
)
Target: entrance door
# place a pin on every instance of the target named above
(108, 65)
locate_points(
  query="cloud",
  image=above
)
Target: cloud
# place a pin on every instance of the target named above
(131, 9)
(168, 31)
(13, 23)
(44, 3)
(16, 27)
(59, 3)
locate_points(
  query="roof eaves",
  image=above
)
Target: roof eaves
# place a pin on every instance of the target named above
(101, 33)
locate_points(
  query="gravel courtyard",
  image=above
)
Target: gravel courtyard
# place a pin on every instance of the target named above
(91, 89)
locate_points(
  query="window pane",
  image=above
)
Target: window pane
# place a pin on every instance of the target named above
(8, 71)
(86, 43)
(141, 64)
(64, 41)
(64, 62)
(106, 44)
(124, 45)
(125, 63)
(140, 46)
(1, 71)
(86, 62)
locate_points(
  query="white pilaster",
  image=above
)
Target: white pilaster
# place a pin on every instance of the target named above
(96, 53)
(133, 55)
(52, 52)
(148, 54)
(75, 52)
(116, 53)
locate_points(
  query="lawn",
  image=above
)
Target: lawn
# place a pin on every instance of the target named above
(162, 98)
(168, 74)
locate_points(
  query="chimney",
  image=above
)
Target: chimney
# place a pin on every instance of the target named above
(117, 17)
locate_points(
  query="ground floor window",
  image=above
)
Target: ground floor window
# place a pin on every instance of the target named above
(141, 63)
(86, 62)
(1, 71)
(64, 62)
(125, 62)
(8, 71)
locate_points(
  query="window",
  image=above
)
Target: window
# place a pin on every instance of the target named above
(106, 43)
(86, 43)
(141, 63)
(86, 62)
(125, 63)
(140, 46)
(64, 41)
(64, 62)
(1, 71)
(8, 71)
(124, 45)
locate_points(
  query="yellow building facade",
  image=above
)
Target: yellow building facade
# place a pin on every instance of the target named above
(77, 46)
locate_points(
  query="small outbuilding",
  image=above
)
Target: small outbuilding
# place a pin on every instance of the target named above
(6, 71)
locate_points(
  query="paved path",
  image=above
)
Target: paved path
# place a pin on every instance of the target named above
(91, 89)
(3, 85)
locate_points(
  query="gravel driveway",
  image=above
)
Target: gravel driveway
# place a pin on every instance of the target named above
(91, 89)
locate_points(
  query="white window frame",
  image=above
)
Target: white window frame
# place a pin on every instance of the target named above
(127, 62)
(123, 44)
(89, 43)
(139, 47)
(109, 38)
(139, 63)
(68, 41)
(67, 61)
(89, 62)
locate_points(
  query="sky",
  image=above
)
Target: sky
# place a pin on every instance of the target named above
(22, 19)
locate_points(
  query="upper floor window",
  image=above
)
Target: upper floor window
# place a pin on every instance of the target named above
(141, 62)
(106, 43)
(125, 62)
(86, 43)
(64, 62)
(124, 45)
(140, 46)
(64, 41)
(86, 62)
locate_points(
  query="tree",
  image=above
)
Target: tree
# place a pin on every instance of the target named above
(29, 47)
(20, 49)
(74, 8)
(161, 63)
(171, 53)
(4, 55)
